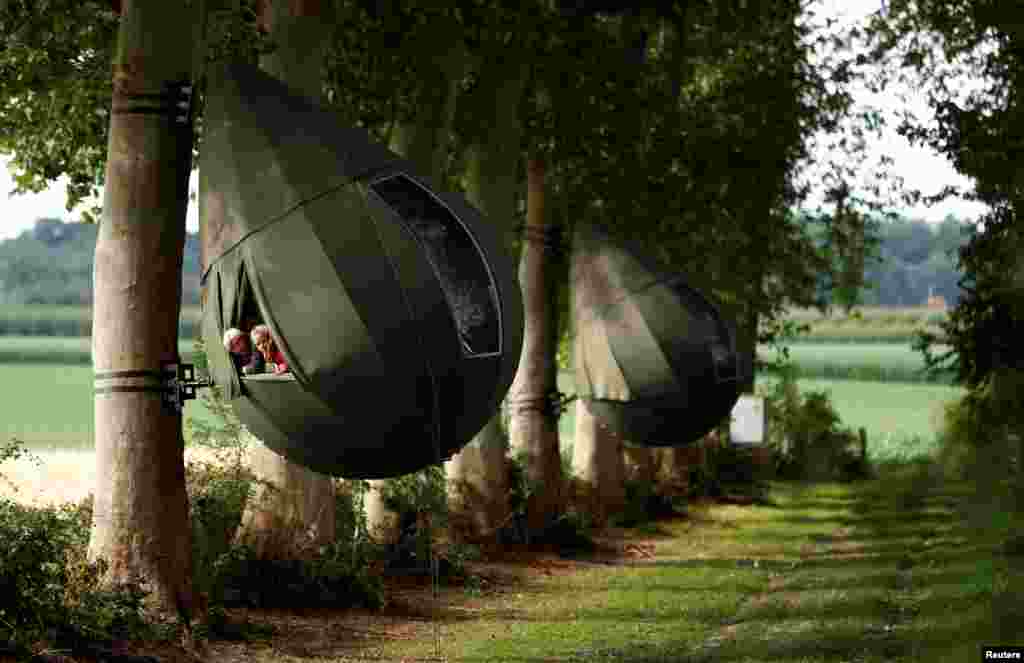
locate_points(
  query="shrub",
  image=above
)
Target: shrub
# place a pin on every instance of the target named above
(49, 590)
(643, 504)
(979, 436)
(805, 434)
(420, 503)
(569, 531)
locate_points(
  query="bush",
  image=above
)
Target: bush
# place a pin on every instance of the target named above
(420, 503)
(805, 435)
(643, 504)
(569, 530)
(49, 591)
(979, 436)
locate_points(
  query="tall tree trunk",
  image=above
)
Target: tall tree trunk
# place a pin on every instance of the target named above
(747, 340)
(533, 425)
(477, 474)
(299, 511)
(598, 459)
(598, 464)
(140, 512)
(425, 143)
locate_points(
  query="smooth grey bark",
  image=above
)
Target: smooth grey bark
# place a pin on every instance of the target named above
(533, 426)
(298, 513)
(140, 510)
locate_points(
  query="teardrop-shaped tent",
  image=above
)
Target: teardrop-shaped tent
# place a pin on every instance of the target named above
(396, 307)
(656, 360)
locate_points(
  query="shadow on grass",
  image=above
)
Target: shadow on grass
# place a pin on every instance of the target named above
(893, 586)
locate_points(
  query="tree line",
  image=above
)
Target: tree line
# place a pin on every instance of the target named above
(52, 264)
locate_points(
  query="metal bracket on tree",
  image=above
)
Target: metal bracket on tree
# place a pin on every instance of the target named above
(180, 384)
(175, 382)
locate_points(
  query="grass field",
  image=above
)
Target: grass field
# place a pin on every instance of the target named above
(49, 406)
(893, 414)
(862, 361)
(52, 406)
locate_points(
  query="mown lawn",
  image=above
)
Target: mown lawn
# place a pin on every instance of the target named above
(886, 570)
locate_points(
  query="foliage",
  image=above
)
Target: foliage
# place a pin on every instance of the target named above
(420, 502)
(805, 435)
(49, 590)
(980, 433)
(53, 264)
(643, 504)
(913, 260)
(569, 530)
(931, 43)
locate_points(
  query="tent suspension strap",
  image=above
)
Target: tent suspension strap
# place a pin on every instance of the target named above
(552, 404)
(175, 383)
(550, 238)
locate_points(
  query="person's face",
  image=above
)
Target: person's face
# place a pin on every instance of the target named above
(264, 345)
(240, 344)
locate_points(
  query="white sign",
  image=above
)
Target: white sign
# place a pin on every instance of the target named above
(747, 425)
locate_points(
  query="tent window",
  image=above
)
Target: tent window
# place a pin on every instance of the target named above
(249, 313)
(457, 261)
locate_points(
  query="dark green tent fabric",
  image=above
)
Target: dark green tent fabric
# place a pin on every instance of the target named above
(655, 359)
(396, 307)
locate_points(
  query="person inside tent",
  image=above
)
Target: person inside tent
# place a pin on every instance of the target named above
(264, 342)
(242, 355)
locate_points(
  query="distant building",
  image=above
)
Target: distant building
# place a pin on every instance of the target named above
(935, 301)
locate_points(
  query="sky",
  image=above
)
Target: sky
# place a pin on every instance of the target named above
(919, 166)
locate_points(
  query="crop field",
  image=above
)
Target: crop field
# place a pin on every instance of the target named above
(71, 321)
(867, 361)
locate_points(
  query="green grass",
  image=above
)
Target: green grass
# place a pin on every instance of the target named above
(50, 406)
(884, 570)
(861, 361)
(901, 419)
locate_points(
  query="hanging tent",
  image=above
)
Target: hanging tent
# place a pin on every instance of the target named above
(395, 306)
(655, 361)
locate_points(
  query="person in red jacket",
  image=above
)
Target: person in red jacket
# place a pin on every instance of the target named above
(264, 342)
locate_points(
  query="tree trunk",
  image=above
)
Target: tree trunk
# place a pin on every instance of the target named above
(425, 143)
(598, 463)
(533, 425)
(747, 340)
(298, 514)
(477, 475)
(140, 512)
(598, 457)
(641, 463)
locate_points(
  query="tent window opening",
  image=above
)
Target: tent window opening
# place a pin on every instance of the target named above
(248, 315)
(455, 258)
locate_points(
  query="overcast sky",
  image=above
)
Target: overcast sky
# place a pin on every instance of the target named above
(920, 167)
